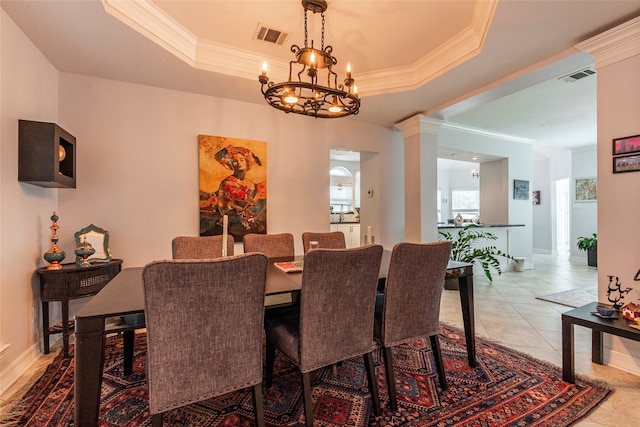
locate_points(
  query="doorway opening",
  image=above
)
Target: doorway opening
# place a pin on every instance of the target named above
(344, 194)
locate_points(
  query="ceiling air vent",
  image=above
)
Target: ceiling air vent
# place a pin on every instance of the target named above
(270, 35)
(577, 75)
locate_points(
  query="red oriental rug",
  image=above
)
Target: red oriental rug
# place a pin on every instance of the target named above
(507, 388)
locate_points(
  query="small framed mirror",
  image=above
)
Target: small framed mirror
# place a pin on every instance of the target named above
(99, 239)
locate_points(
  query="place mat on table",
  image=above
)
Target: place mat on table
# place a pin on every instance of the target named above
(290, 266)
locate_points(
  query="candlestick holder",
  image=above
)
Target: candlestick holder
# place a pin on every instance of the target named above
(54, 255)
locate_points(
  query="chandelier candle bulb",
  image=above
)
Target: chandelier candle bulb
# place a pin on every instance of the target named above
(348, 69)
(264, 68)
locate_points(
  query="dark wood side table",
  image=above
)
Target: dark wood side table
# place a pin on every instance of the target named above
(582, 316)
(70, 282)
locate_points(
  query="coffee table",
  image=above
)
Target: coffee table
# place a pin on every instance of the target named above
(583, 316)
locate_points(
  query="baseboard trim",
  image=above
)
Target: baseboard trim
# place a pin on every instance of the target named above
(19, 367)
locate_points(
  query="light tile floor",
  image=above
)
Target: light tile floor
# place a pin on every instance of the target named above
(507, 313)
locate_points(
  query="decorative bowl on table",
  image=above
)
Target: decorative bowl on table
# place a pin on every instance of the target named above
(605, 310)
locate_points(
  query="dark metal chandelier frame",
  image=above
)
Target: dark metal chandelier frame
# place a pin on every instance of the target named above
(309, 97)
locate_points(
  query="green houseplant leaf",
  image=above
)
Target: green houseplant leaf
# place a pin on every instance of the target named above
(464, 249)
(588, 243)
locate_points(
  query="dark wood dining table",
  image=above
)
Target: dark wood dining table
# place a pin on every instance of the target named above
(123, 296)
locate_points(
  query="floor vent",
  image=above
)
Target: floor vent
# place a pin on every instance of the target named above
(577, 75)
(270, 35)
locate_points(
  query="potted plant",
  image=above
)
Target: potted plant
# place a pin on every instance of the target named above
(590, 245)
(464, 250)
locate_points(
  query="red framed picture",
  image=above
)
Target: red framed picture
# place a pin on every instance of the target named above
(626, 145)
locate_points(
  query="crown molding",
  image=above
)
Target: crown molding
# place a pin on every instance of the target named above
(147, 19)
(488, 133)
(419, 124)
(614, 45)
(150, 21)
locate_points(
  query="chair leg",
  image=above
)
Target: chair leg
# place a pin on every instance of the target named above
(373, 383)
(156, 420)
(258, 404)
(308, 402)
(437, 354)
(391, 381)
(270, 361)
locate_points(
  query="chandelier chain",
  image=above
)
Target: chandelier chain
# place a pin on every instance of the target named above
(305, 29)
(322, 41)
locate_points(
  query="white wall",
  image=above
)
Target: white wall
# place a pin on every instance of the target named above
(29, 91)
(541, 214)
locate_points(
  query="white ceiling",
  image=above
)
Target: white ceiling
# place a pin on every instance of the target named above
(408, 57)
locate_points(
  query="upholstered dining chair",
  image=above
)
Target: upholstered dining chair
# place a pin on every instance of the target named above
(332, 321)
(272, 245)
(410, 305)
(203, 247)
(200, 344)
(328, 240)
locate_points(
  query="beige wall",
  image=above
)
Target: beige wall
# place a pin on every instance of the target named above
(618, 195)
(29, 91)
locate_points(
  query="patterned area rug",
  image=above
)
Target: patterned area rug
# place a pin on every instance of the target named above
(507, 388)
(573, 297)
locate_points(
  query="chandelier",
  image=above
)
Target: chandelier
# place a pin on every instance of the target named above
(310, 97)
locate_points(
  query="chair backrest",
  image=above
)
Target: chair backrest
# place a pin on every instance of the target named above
(337, 304)
(413, 290)
(328, 240)
(272, 245)
(200, 343)
(203, 247)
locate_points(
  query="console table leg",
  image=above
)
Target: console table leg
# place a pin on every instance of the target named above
(45, 326)
(597, 350)
(65, 327)
(568, 369)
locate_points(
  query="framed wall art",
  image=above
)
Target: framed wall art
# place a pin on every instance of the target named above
(586, 189)
(626, 163)
(535, 196)
(626, 145)
(520, 189)
(233, 182)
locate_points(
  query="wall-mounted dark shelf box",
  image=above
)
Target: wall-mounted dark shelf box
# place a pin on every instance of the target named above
(46, 155)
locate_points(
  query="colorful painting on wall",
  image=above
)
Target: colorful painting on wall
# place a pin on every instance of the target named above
(233, 182)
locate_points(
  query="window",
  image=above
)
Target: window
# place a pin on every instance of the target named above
(465, 203)
(341, 189)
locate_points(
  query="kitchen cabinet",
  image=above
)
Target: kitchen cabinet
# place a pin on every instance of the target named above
(351, 233)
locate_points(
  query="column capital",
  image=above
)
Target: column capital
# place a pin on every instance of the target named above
(614, 45)
(419, 124)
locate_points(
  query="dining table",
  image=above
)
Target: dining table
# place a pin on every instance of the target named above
(123, 296)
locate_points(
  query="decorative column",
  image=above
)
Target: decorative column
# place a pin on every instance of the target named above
(420, 178)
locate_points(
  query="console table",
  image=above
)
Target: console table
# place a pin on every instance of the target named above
(70, 282)
(582, 316)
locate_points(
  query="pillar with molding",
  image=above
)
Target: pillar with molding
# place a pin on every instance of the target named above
(420, 135)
